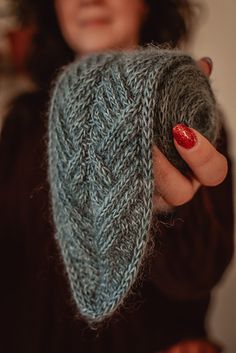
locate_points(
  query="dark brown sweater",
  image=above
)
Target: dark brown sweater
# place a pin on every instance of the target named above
(37, 312)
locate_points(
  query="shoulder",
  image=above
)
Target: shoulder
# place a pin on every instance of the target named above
(25, 111)
(23, 128)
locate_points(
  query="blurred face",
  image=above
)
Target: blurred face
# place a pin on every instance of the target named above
(96, 25)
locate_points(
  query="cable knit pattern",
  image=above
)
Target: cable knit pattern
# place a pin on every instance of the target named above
(107, 109)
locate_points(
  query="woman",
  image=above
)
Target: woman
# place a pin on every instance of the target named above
(168, 312)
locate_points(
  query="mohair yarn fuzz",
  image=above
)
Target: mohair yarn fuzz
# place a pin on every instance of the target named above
(106, 111)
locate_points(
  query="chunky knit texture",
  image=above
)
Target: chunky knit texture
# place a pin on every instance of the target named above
(107, 110)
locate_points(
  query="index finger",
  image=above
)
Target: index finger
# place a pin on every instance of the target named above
(209, 166)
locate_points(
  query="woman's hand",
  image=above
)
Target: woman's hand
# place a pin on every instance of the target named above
(207, 164)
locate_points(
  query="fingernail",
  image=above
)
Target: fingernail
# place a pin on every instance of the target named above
(209, 63)
(184, 136)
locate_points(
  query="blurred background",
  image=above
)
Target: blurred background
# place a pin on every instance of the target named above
(13, 49)
(214, 37)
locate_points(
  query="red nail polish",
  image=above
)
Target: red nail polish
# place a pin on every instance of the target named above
(184, 136)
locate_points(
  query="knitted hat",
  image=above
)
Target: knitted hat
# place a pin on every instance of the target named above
(107, 110)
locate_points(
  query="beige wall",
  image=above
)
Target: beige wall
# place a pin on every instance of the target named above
(216, 38)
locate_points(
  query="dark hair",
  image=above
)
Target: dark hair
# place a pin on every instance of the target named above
(168, 21)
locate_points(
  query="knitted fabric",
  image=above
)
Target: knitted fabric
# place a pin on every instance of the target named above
(107, 109)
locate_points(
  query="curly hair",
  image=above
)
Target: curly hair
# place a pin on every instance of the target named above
(168, 21)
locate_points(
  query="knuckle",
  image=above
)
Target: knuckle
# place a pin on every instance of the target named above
(215, 181)
(219, 175)
(180, 198)
(205, 159)
(218, 180)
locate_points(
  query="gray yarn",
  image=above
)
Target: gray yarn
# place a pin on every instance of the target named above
(106, 111)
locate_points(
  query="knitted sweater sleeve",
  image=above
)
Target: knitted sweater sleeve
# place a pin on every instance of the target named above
(197, 243)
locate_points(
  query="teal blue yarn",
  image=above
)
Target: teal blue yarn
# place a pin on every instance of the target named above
(106, 111)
